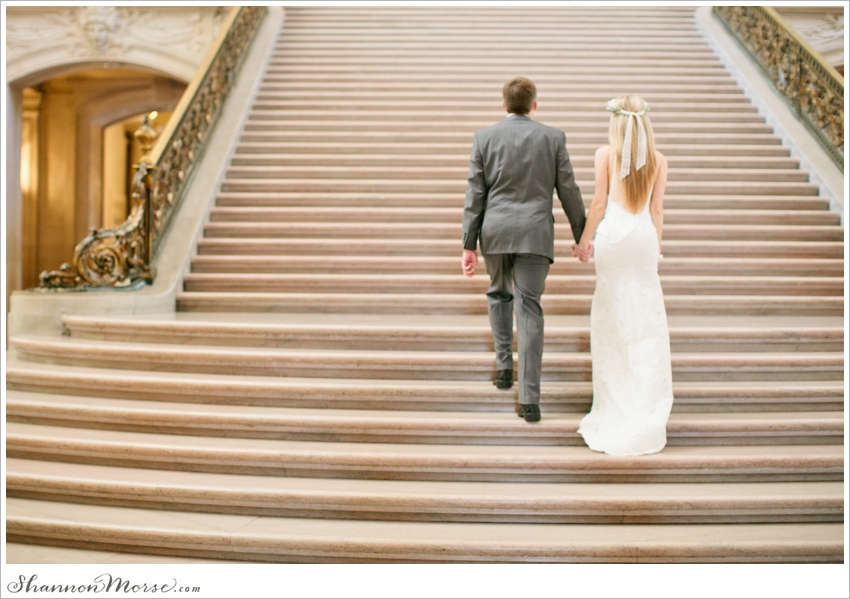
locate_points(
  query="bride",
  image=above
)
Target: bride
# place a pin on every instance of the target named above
(629, 339)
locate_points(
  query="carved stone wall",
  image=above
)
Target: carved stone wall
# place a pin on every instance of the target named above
(822, 27)
(172, 40)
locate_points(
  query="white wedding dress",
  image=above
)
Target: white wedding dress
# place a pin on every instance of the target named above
(629, 339)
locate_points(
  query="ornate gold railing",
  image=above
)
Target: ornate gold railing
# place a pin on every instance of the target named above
(124, 256)
(813, 88)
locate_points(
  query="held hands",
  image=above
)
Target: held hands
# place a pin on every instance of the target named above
(583, 250)
(468, 262)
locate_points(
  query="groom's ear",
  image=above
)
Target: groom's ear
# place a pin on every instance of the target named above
(505, 108)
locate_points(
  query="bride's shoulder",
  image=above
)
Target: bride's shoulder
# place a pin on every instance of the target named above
(604, 151)
(660, 158)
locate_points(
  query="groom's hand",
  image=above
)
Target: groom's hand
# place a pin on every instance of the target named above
(468, 262)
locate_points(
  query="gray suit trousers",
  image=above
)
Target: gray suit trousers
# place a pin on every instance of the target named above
(522, 276)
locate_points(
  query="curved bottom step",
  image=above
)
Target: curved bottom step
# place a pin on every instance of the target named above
(26, 553)
(428, 501)
(269, 539)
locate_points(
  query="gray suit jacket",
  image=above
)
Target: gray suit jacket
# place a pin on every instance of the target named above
(514, 166)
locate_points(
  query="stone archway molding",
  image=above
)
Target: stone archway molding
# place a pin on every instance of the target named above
(42, 42)
(99, 112)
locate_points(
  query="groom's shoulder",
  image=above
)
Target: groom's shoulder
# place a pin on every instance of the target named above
(499, 128)
(493, 129)
(552, 132)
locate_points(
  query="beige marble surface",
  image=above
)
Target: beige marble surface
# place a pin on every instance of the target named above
(21, 553)
(421, 541)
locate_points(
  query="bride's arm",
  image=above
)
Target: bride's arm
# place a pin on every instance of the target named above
(597, 206)
(656, 201)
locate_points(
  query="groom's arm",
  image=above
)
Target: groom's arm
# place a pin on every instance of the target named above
(476, 198)
(568, 190)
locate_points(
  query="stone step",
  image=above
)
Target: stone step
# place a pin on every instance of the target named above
(409, 41)
(371, 25)
(732, 98)
(458, 28)
(450, 200)
(564, 103)
(456, 284)
(430, 428)
(569, 62)
(479, 68)
(432, 215)
(679, 16)
(589, 117)
(278, 539)
(410, 32)
(419, 395)
(584, 175)
(486, 53)
(448, 247)
(542, 503)
(777, 163)
(578, 151)
(388, 303)
(594, 90)
(321, 185)
(446, 24)
(595, 138)
(354, 264)
(393, 461)
(452, 231)
(31, 553)
(269, 122)
(409, 365)
(468, 333)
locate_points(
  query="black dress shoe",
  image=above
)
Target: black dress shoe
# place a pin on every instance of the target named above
(504, 379)
(531, 412)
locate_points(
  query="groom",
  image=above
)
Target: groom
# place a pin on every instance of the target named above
(513, 169)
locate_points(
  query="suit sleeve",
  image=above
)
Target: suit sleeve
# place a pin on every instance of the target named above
(476, 198)
(568, 190)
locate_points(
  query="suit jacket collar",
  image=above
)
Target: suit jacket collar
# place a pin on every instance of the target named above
(518, 117)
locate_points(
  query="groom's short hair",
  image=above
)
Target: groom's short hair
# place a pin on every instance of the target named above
(519, 95)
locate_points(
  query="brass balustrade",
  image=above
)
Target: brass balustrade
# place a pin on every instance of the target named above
(813, 88)
(124, 256)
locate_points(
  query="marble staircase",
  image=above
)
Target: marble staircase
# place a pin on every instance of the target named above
(322, 394)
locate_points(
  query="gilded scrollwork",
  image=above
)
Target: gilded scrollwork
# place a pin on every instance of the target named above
(123, 256)
(115, 257)
(802, 77)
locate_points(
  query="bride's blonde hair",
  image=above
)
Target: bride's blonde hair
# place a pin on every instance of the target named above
(638, 182)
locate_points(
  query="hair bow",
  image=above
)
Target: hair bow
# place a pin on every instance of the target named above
(625, 163)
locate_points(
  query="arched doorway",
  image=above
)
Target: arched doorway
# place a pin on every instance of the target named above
(68, 154)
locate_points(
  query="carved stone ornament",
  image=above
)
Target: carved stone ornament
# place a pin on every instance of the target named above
(102, 30)
(829, 29)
